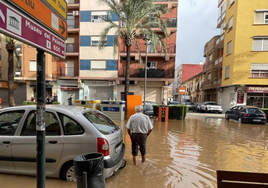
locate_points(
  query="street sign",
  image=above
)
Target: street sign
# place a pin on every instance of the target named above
(60, 7)
(37, 10)
(182, 90)
(20, 27)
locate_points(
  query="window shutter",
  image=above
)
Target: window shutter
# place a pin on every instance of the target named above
(231, 23)
(32, 65)
(257, 44)
(229, 45)
(84, 64)
(259, 17)
(265, 44)
(112, 65)
(257, 66)
(98, 65)
(85, 40)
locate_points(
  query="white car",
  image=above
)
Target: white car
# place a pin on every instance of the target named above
(70, 131)
(211, 106)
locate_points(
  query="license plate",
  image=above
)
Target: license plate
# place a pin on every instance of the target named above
(256, 120)
(118, 148)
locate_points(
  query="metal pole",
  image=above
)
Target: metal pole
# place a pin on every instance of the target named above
(145, 75)
(183, 107)
(40, 119)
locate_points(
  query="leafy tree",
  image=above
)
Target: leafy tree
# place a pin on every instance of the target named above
(137, 18)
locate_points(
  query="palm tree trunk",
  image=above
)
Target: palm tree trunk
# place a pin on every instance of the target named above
(127, 78)
(10, 49)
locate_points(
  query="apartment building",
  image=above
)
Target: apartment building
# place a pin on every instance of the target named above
(185, 72)
(245, 56)
(212, 69)
(160, 69)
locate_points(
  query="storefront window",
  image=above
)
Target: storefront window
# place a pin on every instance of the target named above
(258, 99)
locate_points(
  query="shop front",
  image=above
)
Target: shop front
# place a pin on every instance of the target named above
(257, 96)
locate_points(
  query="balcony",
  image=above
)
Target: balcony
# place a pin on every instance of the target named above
(218, 62)
(219, 41)
(72, 49)
(170, 49)
(207, 85)
(217, 83)
(170, 3)
(151, 73)
(73, 4)
(18, 73)
(221, 19)
(66, 72)
(73, 25)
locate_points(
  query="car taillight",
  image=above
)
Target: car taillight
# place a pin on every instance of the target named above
(103, 146)
(247, 114)
(264, 115)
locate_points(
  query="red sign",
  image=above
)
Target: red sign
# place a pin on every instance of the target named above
(240, 97)
(257, 89)
(182, 90)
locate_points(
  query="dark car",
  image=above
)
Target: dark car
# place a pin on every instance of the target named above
(197, 107)
(148, 109)
(190, 105)
(246, 114)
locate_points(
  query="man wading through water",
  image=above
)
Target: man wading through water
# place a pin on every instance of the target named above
(139, 127)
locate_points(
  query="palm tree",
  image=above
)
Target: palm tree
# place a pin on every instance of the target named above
(10, 47)
(137, 18)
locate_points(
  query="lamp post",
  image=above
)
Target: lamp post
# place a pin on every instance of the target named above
(146, 39)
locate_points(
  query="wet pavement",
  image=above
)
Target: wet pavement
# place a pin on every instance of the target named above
(182, 154)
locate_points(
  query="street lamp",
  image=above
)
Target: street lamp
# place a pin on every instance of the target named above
(147, 41)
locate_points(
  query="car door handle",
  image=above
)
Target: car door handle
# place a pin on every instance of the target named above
(53, 142)
(6, 142)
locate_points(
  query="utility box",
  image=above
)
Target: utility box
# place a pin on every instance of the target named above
(163, 113)
(113, 109)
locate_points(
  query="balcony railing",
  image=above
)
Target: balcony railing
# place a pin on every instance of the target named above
(151, 73)
(73, 1)
(221, 17)
(72, 23)
(72, 47)
(217, 82)
(218, 61)
(220, 39)
(66, 72)
(170, 49)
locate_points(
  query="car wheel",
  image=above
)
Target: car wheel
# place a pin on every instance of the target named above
(226, 116)
(206, 110)
(68, 173)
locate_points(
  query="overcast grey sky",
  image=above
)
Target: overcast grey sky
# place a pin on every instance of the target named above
(197, 21)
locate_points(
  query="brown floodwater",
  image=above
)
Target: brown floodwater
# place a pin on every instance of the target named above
(184, 154)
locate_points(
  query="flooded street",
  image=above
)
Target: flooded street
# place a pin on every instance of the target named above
(182, 154)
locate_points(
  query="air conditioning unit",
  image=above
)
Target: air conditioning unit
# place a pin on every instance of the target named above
(111, 83)
(75, 13)
(224, 26)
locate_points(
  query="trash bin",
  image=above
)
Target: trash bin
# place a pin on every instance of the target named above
(93, 165)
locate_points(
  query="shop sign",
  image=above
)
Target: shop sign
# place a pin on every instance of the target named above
(251, 89)
(49, 84)
(68, 82)
(240, 97)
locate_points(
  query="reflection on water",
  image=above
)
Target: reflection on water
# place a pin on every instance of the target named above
(182, 154)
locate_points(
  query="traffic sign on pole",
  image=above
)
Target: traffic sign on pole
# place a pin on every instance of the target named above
(20, 27)
(182, 90)
(37, 10)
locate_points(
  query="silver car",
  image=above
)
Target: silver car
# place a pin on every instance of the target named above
(70, 131)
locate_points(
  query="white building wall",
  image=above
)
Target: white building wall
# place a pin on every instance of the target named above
(98, 73)
(94, 53)
(94, 28)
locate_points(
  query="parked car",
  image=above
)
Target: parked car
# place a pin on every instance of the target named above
(70, 131)
(173, 103)
(190, 105)
(197, 107)
(211, 106)
(148, 109)
(246, 114)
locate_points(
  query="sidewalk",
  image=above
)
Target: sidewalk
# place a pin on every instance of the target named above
(205, 115)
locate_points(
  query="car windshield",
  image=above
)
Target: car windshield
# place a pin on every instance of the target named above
(104, 124)
(189, 103)
(254, 111)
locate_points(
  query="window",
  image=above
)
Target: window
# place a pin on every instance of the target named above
(209, 76)
(261, 17)
(9, 122)
(96, 40)
(104, 124)
(231, 2)
(100, 16)
(210, 57)
(259, 70)
(98, 65)
(0, 72)
(230, 23)
(70, 21)
(32, 65)
(70, 126)
(52, 125)
(260, 44)
(152, 65)
(229, 45)
(227, 71)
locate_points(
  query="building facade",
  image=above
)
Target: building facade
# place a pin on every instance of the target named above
(185, 72)
(245, 56)
(160, 69)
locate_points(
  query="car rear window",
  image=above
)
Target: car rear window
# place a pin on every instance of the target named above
(104, 124)
(212, 103)
(254, 111)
